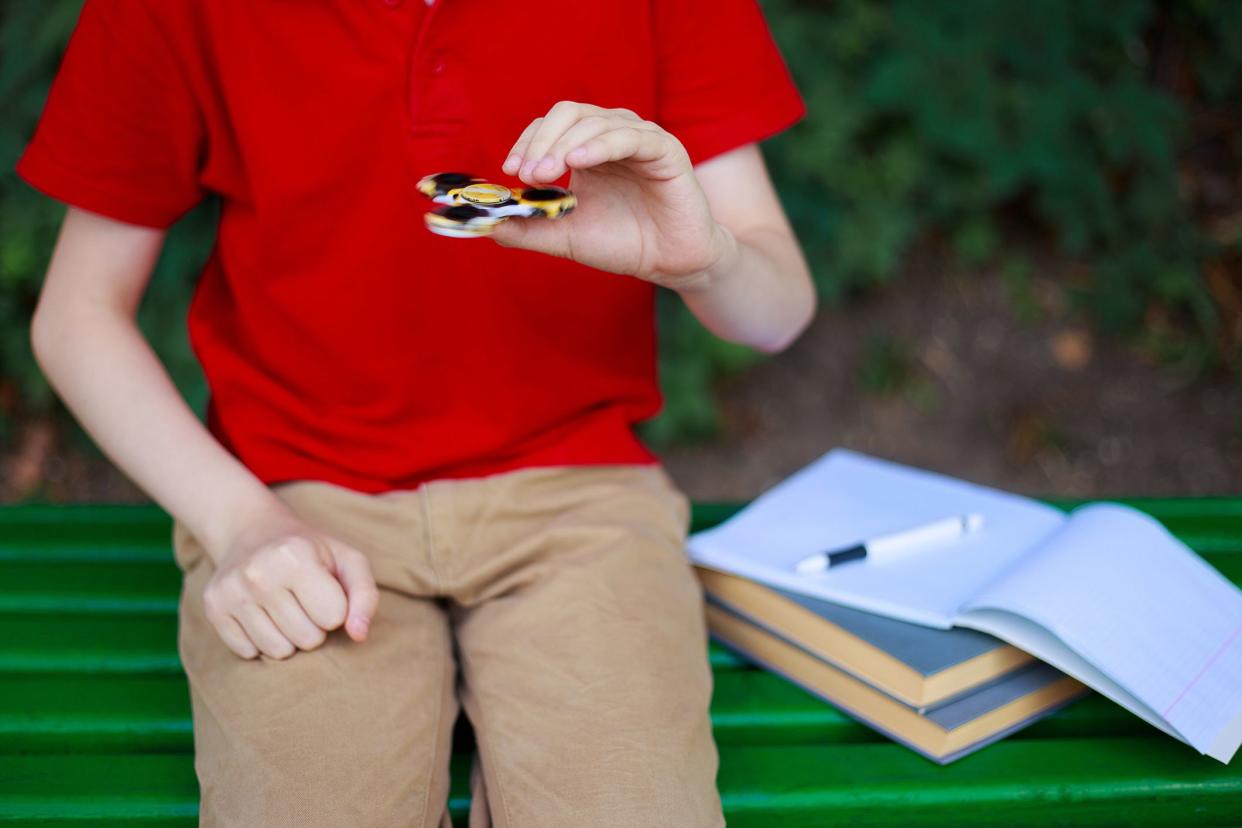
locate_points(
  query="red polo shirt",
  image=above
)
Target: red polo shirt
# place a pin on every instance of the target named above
(341, 340)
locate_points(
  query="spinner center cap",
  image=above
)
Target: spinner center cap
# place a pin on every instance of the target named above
(485, 193)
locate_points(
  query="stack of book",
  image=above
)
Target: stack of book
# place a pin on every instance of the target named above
(944, 693)
(952, 642)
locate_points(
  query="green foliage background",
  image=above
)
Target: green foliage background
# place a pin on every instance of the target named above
(32, 36)
(926, 118)
(953, 118)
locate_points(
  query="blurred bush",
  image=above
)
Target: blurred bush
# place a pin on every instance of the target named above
(1110, 129)
(1105, 126)
(32, 36)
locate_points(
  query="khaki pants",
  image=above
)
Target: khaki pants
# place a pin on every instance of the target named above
(554, 604)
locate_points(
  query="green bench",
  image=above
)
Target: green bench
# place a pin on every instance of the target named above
(95, 721)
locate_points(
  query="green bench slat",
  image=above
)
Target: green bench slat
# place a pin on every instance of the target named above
(99, 789)
(83, 642)
(115, 642)
(85, 532)
(1100, 782)
(145, 712)
(90, 586)
(124, 789)
(147, 790)
(69, 712)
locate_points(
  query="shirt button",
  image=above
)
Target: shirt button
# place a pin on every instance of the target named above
(392, 2)
(430, 2)
(438, 67)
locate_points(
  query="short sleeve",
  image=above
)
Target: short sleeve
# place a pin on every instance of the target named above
(721, 80)
(120, 133)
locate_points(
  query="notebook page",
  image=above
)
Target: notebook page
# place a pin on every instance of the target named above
(1142, 608)
(844, 498)
(1027, 635)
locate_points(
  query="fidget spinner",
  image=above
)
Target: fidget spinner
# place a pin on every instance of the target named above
(473, 207)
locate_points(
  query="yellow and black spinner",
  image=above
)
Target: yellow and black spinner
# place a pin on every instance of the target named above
(473, 207)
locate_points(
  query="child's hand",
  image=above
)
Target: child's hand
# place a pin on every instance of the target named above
(640, 209)
(282, 585)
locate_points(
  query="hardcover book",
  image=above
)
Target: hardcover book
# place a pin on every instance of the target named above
(918, 665)
(944, 734)
(1105, 593)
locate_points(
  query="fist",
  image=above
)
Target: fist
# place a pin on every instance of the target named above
(283, 588)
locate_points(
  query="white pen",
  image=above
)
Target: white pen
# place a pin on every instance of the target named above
(945, 529)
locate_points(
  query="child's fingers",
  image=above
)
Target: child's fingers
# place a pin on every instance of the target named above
(535, 155)
(620, 144)
(560, 118)
(317, 585)
(539, 235)
(292, 621)
(574, 137)
(514, 162)
(354, 571)
(263, 632)
(232, 634)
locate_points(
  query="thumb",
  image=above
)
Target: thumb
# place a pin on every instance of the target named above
(508, 233)
(353, 570)
(537, 234)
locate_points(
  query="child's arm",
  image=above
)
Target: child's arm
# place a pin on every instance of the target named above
(89, 347)
(760, 291)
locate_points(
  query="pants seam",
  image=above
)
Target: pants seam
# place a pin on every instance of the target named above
(435, 747)
(429, 537)
(484, 733)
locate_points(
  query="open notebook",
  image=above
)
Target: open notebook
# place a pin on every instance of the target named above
(1105, 594)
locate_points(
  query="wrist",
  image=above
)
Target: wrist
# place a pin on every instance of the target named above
(242, 517)
(725, 251)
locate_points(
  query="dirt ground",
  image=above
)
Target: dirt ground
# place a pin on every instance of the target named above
(937, 370)
(1040, 408)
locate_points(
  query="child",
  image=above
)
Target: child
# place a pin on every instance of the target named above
(418, 485)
